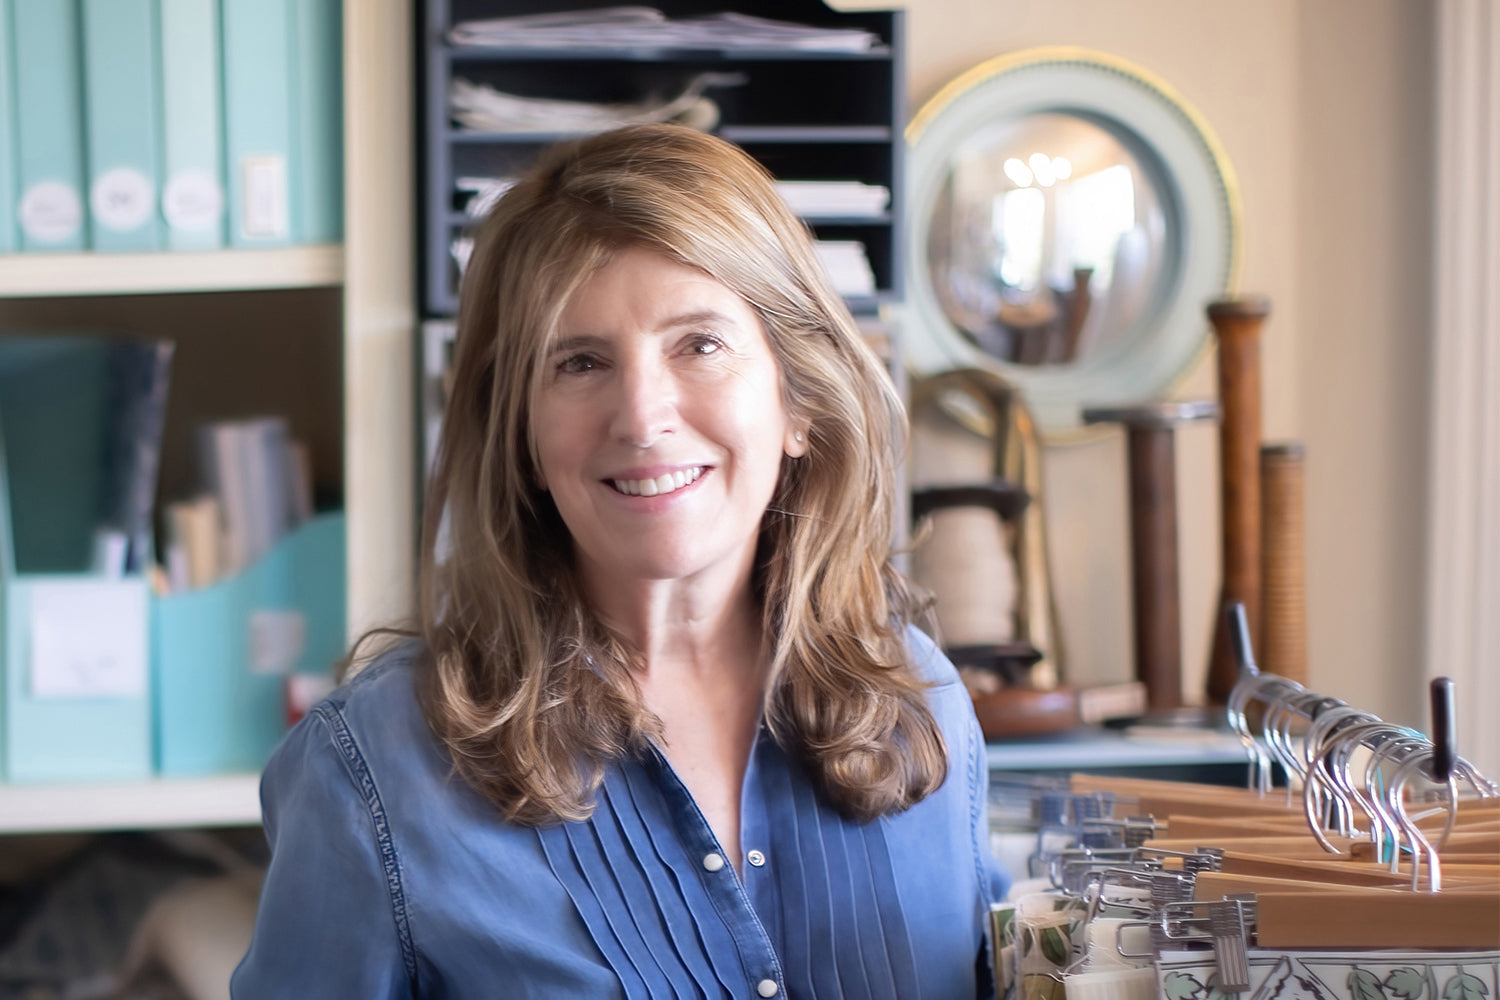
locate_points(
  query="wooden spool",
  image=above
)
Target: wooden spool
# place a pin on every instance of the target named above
(1150, 430)
(1237, 325)
(1283, 644)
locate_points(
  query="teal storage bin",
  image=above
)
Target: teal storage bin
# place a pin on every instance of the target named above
(74, 693)
(73, 737)
(221, 654)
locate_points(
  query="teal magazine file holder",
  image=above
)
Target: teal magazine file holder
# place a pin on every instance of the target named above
(74, 701)
(222, 653)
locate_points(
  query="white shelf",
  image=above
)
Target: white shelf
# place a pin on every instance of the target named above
(68, 274)
(1094, 748)
(154, 804)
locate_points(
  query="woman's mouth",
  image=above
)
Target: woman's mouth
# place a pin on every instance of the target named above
(669, 482)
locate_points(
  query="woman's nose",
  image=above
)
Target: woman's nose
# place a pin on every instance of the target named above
(646, 404)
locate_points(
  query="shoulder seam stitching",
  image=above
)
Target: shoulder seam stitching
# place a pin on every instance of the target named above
(359, 771)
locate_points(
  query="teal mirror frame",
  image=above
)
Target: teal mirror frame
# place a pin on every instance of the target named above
(1196, 185)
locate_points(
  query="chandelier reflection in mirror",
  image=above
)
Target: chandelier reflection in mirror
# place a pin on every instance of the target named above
(1070, 217)
(1046, 241)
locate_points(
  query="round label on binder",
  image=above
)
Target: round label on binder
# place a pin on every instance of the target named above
(122, 199)
(51, 212)
(192, 199)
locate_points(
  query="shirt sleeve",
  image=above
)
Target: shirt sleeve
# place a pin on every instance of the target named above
(994, 880)
(329, 923)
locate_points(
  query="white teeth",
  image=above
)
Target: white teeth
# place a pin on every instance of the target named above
(666, 483)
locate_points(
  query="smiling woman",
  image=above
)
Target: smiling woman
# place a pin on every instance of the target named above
(660, 433)
(700, 746)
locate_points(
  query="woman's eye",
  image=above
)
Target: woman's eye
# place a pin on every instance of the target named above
(577, 364)
(704, 344)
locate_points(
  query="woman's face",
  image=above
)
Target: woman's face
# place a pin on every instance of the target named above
(659, 424)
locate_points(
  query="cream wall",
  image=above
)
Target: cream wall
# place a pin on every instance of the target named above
(1321, 108)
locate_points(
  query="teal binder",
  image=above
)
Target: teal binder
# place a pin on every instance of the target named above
(8, 238)
(317, 173)
(192, 194)
(49, 124)
(258, 120)
(121, 124)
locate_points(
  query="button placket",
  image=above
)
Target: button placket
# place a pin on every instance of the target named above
(722, 882)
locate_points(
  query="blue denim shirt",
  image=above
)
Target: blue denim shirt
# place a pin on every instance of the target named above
(390, 877)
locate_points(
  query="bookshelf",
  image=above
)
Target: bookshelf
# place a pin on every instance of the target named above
(805, 115)
(161, 803)
(361, 295)
(38, 275)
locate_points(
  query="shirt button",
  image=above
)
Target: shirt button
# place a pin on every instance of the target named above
(756, 858)
(766, 988)
(713, 862)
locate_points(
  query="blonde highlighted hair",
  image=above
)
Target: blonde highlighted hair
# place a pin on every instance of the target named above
(532, 695)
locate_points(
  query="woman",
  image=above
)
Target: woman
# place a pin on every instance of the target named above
(666, 729)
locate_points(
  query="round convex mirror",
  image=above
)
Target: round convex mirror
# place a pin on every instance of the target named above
(1071, 217)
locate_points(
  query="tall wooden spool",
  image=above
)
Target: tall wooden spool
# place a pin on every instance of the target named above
(1150, 430)
(1237, 324)
(1283, 586)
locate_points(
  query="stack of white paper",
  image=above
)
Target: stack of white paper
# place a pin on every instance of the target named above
(823, 199)
(646, 27)
(848, 267)
(482, 193)
(484, 109)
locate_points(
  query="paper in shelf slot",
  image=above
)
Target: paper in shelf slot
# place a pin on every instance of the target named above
(821, 199)
(848, 267)
(646, 27)
(74, 701)
(479, 194)
(482, 108)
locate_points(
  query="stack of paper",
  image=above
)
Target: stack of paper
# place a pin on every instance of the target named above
(846, 199)
(484, 109)
(646, 27)
(848, 267)
(481, 193)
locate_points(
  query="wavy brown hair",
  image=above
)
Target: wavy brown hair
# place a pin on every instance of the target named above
(530, 692)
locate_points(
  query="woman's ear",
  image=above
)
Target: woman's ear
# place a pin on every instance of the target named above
(796, 441)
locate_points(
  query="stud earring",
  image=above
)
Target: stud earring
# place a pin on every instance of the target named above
(798, 436)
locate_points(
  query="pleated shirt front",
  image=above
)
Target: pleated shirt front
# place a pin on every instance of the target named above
(390, 877)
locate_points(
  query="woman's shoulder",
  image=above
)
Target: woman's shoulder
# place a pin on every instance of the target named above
(372, 720)
(382, 683)
(946, 694)
(928, 662)
(379, 696)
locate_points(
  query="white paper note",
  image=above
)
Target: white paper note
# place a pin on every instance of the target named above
(277, 641)
(88, 639)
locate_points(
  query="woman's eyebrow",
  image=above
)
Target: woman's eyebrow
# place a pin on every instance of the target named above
(695, 318)
(576, 342)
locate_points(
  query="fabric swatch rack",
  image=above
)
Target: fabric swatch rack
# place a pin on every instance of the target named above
(1374, 874)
